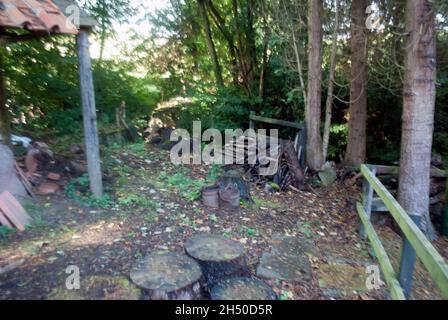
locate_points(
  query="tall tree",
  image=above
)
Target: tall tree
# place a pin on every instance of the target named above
(210, 43)
(418, 111)
(356, 145)
(314, 154)
(329, 102)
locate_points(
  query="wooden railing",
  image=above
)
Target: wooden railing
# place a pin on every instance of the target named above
(414, 244)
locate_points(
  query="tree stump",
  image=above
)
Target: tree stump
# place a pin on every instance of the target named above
(218, 256)
(242, 289)
(168, 276)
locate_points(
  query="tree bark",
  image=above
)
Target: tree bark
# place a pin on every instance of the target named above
(264, 64)
(329, 102)
(89, 114)
(210, 44)
(356, 148)
(418, 111)
(313, 107)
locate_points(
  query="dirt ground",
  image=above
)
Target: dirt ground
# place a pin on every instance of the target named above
(153, 206)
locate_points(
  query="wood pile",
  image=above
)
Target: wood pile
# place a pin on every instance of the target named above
(286, 153)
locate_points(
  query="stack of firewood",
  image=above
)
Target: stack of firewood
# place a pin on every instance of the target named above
(285, 154)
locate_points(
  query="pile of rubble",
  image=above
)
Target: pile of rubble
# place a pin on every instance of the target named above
(39, 170)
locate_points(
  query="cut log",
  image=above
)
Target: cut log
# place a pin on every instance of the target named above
(242, 289)
(219, 257)
(168, 276)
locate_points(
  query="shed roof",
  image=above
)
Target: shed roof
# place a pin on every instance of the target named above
(35, 16)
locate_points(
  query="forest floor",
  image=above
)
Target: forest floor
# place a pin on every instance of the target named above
(153, 206)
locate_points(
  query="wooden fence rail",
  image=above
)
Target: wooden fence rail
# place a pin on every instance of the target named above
(433, 261)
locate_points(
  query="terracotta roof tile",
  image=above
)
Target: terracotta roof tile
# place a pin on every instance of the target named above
(41, 15)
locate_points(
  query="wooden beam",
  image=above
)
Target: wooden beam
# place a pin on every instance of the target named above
(433, 261)
(396, 291)
(89, 114)
(277, 122)
(394, 170)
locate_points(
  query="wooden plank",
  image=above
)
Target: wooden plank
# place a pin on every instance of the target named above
(277, 122)
(3, 220)
(20, 212)
(396, 291)
(10, 213)
(433, 261)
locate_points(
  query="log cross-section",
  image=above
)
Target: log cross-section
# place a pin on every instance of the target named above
(219, 257)
(168, 276)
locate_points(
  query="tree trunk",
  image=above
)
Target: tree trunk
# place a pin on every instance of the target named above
(89, 114)
(264, 64)
(251, 53)
(221, 24)
(102, 44)
(356, 148)
(313, 107)
(418, 111)
(5, 126)
(329, 103)
(210, 44)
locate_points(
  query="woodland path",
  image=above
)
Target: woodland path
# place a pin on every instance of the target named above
(306, 242)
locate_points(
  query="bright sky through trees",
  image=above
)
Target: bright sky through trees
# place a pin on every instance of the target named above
(137, 23)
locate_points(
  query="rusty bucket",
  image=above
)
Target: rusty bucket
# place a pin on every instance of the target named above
(230, 197)
(210, 197)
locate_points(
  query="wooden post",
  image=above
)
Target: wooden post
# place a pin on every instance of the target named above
(302, 145)
(251, 122)
(407, 264)
(367, 197)
(5, 127)
(89, 114)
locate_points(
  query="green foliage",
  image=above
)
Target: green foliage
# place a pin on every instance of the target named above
(214, 173)
(43, 82)
(135, 200)
(78, 189)
(5, 232)
(306, 230)
(338, 140)
(187, 187)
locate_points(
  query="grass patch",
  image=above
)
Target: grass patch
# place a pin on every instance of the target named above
(5, 232)
(187, 187)
(78, 189)
(135, 200)
(266, 204)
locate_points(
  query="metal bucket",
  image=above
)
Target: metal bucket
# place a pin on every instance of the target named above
(230, 197)
(210, 197)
